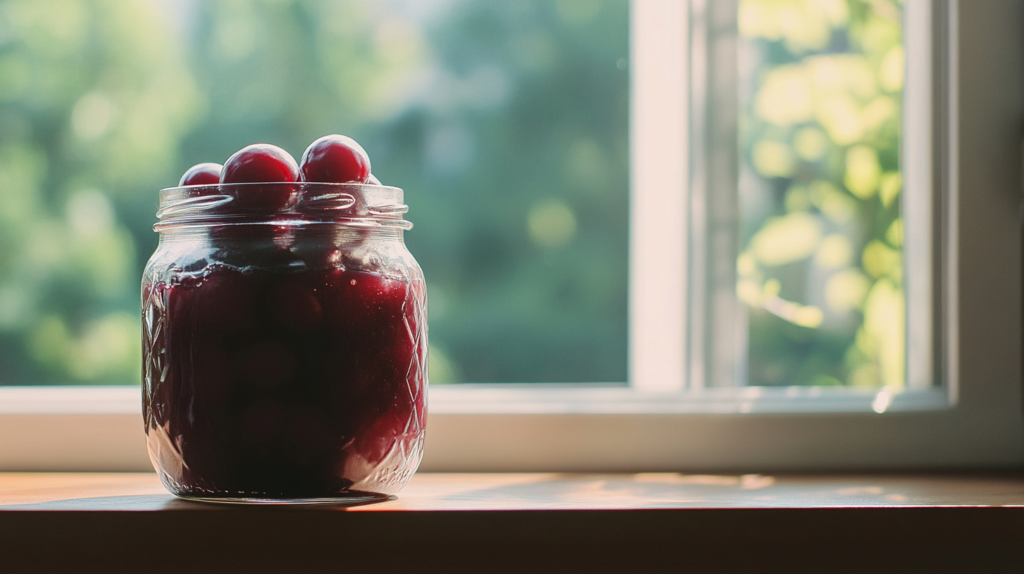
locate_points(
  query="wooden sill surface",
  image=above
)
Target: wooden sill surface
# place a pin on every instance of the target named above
(116, 522)
(452, 492)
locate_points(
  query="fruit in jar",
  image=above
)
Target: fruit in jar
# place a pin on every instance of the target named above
(260, 163)
(308, 386)
(284, 362)
(335, 159)
(201, 174)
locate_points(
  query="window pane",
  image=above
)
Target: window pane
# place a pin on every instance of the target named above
(506, 124)
(820, 268)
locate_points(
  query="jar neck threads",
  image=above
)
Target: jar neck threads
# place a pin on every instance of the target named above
(307, 205)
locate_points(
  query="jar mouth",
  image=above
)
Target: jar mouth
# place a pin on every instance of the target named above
(299, 203)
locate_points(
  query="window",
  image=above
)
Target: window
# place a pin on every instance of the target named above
(959, 193)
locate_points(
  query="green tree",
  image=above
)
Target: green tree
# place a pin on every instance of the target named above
(821, 271)
(94, 99)
(504, 122)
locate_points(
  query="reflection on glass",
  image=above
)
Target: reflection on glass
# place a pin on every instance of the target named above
(821, 235)
(506, 124)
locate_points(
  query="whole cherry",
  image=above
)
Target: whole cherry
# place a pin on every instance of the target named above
(335, 159)
(201, 174)
(260, 163)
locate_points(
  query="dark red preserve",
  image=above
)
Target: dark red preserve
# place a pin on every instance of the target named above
(284, 349)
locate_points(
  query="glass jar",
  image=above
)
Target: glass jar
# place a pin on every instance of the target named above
(284, 343)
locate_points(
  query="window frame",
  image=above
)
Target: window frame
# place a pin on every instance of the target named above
(974, 420)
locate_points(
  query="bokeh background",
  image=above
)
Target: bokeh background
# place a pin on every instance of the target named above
(820, 271)
(507, 125)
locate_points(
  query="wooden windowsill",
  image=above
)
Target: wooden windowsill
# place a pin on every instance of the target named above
(528, 523)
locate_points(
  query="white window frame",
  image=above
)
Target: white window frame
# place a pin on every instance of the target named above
(973, 420)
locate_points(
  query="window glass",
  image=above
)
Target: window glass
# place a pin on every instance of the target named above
(505, 122)
(819, 270)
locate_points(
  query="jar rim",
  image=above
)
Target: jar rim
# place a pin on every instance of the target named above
(298, 203)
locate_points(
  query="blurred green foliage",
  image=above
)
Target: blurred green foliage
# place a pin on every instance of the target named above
(92, 107)
(821, 268)
(506, 124)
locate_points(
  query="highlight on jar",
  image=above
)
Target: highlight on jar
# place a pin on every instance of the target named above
(284, 331)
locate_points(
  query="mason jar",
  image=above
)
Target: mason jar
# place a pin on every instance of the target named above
(284, 343)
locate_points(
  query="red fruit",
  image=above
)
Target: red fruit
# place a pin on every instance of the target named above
(267, 364)
(369, 303)
(260, 163)
(261, 421)
(201, 174)
(286, 383)
(335, 159)
(224, 302)
(294, 306)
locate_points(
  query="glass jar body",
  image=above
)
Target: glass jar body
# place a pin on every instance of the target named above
(284, 359)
